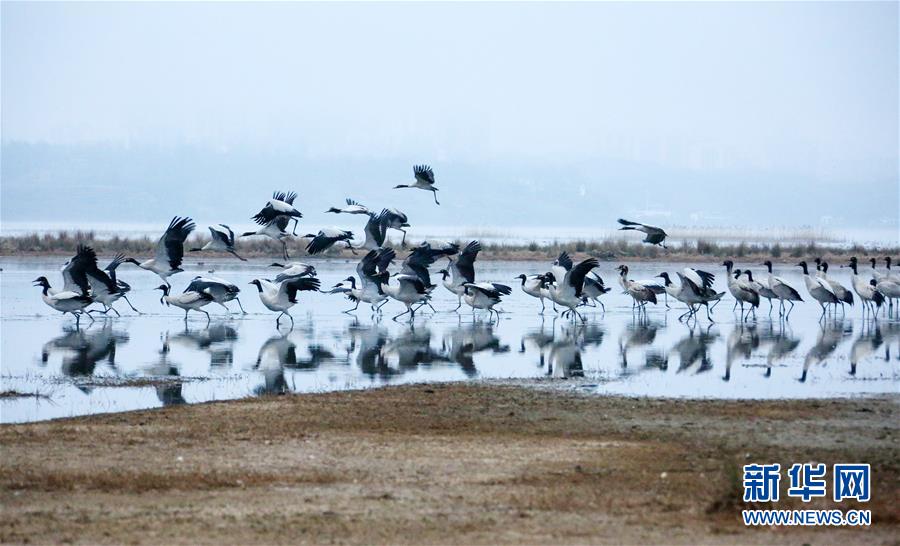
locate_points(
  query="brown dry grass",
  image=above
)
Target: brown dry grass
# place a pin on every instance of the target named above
(455, 464)
(64, 243)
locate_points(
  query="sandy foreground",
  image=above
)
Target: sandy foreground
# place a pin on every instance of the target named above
(455, 463)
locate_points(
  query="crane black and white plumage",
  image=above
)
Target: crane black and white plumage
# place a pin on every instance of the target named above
(568, 281)
(819, 289)
(761, 288)
(221, 290)
(394, 219)
(424, 176)
(696, 289)
(408, 290)
(276, 230)
(326, 238)
(222, 241)
(536, 287)
(64, 301)
(122, 286)
(105, 289)
(282, 296)
(419, 260)
(843, 294)
(294, 269)
(640, 294)
(485, 295)
(169, 250)
(189, 300)
(375, 231)
(782, 290)
(742, 291)
(280, 206)
(461, 270)
(373, 272)
(594, 287)
(352, 208)
(654, 235)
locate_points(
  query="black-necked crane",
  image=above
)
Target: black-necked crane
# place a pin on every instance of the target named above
(695, 290)
(373, 272)
(485, 295)
(375, 231)
(424, 180)
(222, 291)
(282, 296)
(593, 288)
(654, 286)
(169, 250)
(567, 282)
(783, 291)
(819, 289)
(742, 290)
(760, 288)
(122, 287)
(640, 294)
(890, 273)
(877, 275)
(461, 270)
(395, 219)
(890, 289)
(654, 235)
(105, 289)
(843, 294)
(294, 269)
(417, 263)
(408, 290)
(281, 205)
(535, 286)
(222, 241)
(275, 230)
(867, 292)
(64, 301)
(326, 238)
(352, 207)
(189, 301)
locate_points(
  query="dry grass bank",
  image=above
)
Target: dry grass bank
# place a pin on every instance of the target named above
(457, 464)
(64, 243)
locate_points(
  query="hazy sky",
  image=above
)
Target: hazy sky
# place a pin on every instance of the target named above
(803, 91)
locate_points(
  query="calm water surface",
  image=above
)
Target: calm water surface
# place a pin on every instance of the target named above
(156, 359)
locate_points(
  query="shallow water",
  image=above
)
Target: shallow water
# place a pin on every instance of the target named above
(156, 359)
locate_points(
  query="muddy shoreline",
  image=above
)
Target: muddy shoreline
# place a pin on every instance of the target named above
(444, 463)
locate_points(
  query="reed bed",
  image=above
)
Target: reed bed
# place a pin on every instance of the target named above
(65, 242)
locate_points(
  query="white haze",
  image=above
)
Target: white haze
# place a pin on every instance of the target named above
(755, 114)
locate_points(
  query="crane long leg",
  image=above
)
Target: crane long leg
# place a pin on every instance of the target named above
(403, 241)
(408, 310)
(239, 305)
(434, 194)
(296, 223)
(129, 304)
(348, 311)
(208, 318)
(238, 257)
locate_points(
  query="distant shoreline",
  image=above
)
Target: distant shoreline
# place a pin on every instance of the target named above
(62, 244)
